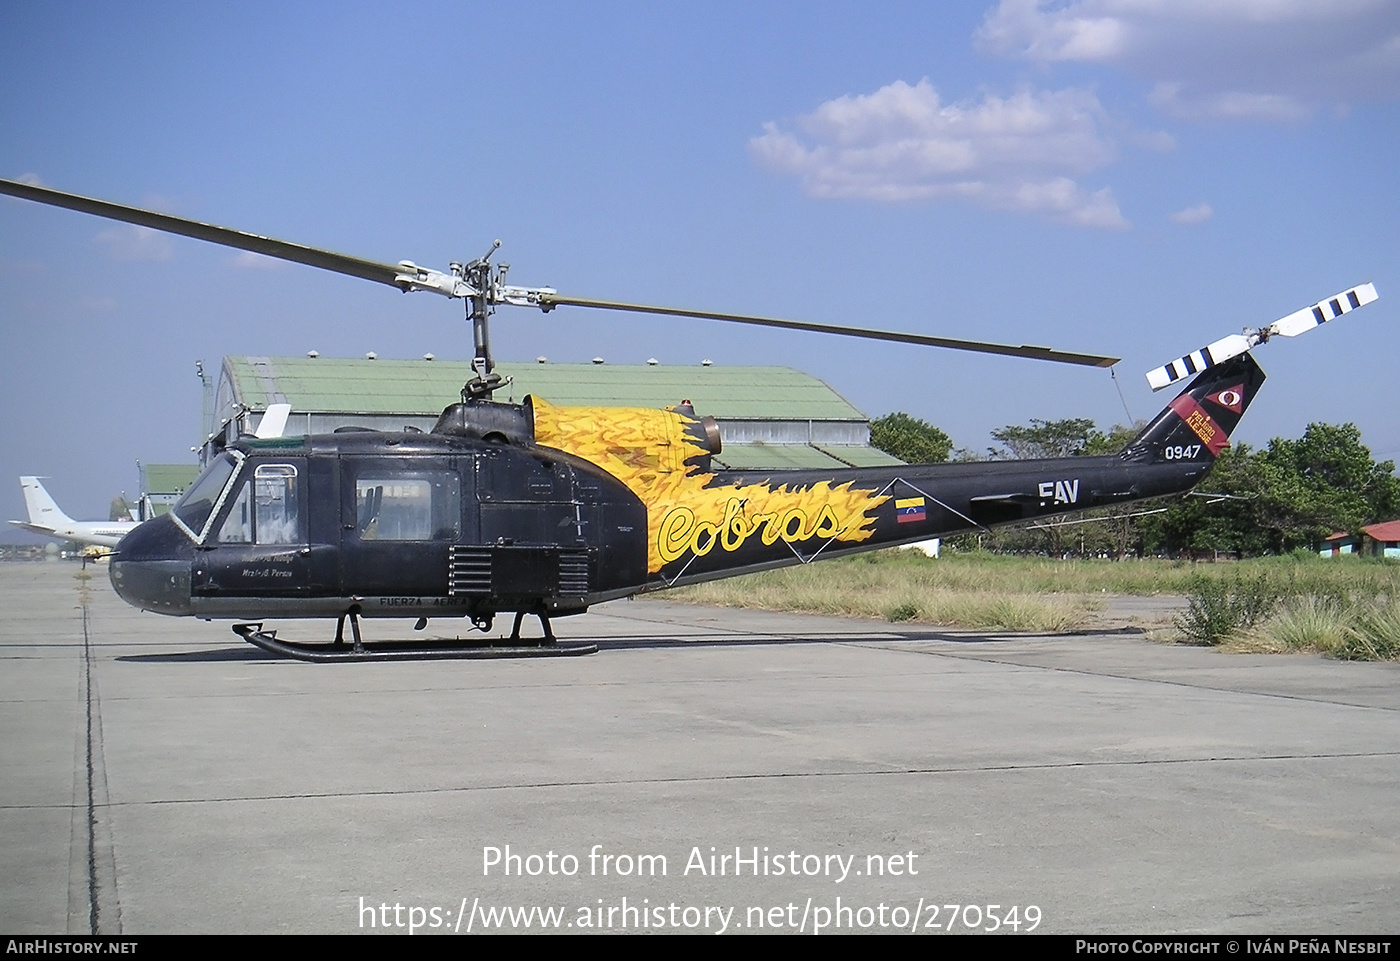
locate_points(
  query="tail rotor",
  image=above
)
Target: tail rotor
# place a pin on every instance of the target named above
(1294, 324)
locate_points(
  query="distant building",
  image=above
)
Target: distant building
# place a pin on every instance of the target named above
(1376, 540)
(769, 417)
(162, 485)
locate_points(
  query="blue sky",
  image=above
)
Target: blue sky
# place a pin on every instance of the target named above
(1114, 176)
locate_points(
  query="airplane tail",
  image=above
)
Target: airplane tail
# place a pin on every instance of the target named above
(1197, 424)
(43, 512)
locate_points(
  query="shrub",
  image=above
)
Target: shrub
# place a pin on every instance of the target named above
(902, 612)
(1216, 609)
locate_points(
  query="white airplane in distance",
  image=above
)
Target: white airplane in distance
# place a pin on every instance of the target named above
(45, 517)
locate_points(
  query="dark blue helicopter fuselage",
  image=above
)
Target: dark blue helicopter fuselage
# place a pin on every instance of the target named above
(392, 524)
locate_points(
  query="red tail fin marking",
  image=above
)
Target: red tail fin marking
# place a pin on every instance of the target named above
(1210, 433)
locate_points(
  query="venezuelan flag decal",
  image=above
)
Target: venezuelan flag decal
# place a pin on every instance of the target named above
(909, 509)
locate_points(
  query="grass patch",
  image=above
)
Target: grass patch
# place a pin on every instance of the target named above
(1375, 635)
(998, 574)
(1348, 629)
(984, 591)
(895, 590)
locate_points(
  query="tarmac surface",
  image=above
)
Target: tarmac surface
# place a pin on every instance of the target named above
(158, 775)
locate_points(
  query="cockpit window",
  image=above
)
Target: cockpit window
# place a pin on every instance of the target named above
(192, 511)
(238, 526)
(265, 510)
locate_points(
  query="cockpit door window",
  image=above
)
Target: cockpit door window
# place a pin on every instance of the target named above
(267, 509)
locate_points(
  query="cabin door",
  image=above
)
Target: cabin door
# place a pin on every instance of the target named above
(399, 519)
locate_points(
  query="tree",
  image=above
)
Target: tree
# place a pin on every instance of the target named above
(1323, 482)
(1072, 437)
(1291, 494)
(910, 439)
(1228, 523)
(1113, 533)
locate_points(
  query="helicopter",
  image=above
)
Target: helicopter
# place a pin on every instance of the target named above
(544, 510)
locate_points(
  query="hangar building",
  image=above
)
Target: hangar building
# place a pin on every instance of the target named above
(769, 417)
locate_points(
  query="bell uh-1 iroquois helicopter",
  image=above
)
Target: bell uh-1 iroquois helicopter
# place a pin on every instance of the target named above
(536, 509)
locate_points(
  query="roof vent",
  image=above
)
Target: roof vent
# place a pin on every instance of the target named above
(429, 357)
(371, 355)
(652, 361)
(598, 360)
(541, 359)
(313, 354)
(707, 362)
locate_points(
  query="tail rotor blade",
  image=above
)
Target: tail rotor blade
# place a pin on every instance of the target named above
(1321, 312)
(1291, 326)
(1197, 361)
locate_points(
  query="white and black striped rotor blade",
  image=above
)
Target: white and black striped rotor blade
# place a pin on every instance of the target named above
(1291, 326)
(1199, 360)
(1323, 311)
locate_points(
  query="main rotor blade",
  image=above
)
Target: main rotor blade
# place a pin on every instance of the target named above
(549, 301)
(408, 277)
(228, 237)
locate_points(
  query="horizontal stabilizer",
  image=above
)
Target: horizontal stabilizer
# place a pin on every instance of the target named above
(1018, 498)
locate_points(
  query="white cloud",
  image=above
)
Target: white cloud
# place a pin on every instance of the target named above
(136, 243)
(1198, 214)
(32, 179)
(1157, 140)
(1229, 105)
(1079, 31)
(251, 261)
(902, 143)
(1263, 60)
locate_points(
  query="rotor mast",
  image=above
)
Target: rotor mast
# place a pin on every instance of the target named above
(482, 285)
(478, 275)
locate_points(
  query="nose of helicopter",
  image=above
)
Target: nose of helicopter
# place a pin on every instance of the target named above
(151, 568)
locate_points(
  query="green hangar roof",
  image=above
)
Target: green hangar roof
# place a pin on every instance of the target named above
(167, 478)
(770, 417)
(425, 387)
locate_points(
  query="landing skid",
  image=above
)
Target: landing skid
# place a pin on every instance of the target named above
(361, 650)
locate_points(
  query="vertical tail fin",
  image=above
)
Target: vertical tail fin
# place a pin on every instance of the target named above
(42, 509)
(1197, 424)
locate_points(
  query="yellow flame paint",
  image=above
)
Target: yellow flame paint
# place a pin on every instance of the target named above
(647, 450)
